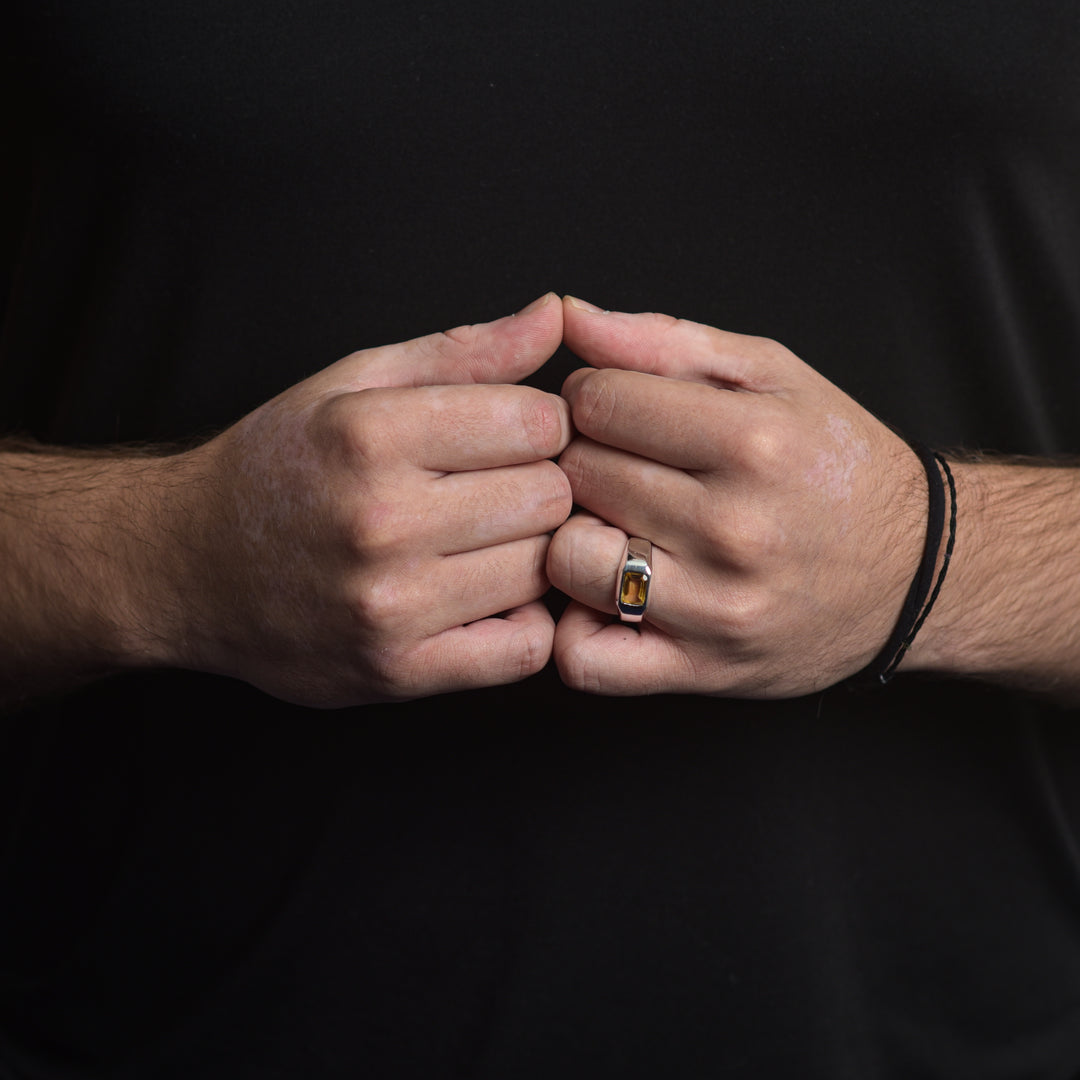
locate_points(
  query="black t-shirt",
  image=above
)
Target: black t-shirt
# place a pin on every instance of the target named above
(221, 198)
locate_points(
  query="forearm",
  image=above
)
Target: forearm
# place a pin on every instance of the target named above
(84, 550)
(1009, 611)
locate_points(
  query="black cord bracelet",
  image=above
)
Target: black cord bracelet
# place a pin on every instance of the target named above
(920, 599)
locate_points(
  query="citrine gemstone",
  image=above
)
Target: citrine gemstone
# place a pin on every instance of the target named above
(633, 589)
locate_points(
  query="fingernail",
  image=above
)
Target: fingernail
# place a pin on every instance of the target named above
(536, 305)
(584, 305)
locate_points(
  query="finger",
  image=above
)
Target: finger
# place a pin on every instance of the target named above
(598, 656)
(640, 496)
(504, 351)
(476, 510)
(676, 348)
(489, 652)
(475, 585)
(462, 512)
(682, 424)
(401, 529)
(450, 428)
(585, 560)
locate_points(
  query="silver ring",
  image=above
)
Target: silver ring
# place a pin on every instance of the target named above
(632, 589)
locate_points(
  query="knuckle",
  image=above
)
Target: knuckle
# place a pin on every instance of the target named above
(570, 464)
(680, 333)
(769, 350)
(755, 347)
(747, 614)
(379, 605)
(572, 567)
(553, 492)
(534, 649)
(596, 401)
(588, 476)
(456, 337)
(542, 422)
(358, 428)
(577, 668)
(770, 359)
(766, 447)
(395, 673)
(462, 346)
(589, 579)
(476, 580)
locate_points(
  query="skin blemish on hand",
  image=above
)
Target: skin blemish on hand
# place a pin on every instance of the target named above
(833, 470)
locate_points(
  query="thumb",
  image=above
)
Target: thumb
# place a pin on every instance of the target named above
(504, 351)
(662, 345)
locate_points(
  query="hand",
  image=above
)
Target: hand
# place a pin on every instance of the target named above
(787, 522)
(355, 538)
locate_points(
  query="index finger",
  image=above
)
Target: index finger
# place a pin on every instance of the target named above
(461, 428)
(685, 425)
(678, 348)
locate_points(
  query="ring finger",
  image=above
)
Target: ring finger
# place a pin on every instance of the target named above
(585, 561)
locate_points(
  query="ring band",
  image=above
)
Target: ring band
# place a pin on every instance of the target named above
(632, 591)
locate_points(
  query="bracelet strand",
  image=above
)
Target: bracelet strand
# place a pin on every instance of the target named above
(920, 598)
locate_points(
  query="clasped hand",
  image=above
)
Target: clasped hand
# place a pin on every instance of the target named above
(386, 529)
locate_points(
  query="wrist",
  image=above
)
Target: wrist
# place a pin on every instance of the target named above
(86, 560)
(944, 644)
(153, 561)
(925, 587)
(1008, 609)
